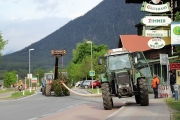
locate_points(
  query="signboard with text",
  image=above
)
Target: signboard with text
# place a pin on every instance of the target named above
(155, 8)
(164, 59)
(29, 76)
(156, 33)
(34, 80)
(156, 43)
(175, 33)
(156, 20)
(174, 66)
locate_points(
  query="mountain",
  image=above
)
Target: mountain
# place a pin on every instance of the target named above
(102, 25)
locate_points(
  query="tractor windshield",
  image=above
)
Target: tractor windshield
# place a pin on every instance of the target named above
(49, 76)
(117, 62)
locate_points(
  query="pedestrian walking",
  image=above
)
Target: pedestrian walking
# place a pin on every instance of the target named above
(155, 83)
(172, 80)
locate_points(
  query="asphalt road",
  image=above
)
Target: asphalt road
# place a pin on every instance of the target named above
(38, 106)
(73, 107)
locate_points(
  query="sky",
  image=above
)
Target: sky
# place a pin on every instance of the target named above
(23, 22)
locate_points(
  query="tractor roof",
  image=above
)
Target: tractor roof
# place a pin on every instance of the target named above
(116, 51)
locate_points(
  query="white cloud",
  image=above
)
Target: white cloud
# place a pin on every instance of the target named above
(27, 21)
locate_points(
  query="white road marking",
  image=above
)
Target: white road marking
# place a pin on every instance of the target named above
(60, 110)
(70, 107)
(114, 113)
(48, 114)
(33, 119)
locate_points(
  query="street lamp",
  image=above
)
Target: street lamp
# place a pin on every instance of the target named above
(90, 42)
(29, 71)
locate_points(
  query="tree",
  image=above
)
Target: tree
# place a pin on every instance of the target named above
(9, 78)
(81, 62)
(177, 19)
(40, 74)
(2, 44)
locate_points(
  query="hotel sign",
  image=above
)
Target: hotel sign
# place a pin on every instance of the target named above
(155, 8)
(156, 20)
(156, 43)
(156, 33)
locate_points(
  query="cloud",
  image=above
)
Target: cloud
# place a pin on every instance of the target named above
(24, 22)
(21, 34)
(75, 15)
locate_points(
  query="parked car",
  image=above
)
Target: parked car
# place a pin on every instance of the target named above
(85, 84)
(78, 83)
(96, 84)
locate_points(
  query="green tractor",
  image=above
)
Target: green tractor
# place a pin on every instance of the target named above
(125, 75)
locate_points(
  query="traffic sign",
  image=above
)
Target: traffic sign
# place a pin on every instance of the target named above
(92, 73)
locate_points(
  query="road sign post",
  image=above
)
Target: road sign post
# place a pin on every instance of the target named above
(92, 73)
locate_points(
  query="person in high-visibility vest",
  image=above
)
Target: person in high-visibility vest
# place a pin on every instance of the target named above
(20, 85)
(155, 83)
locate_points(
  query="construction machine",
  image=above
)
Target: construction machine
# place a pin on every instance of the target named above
(51, 82)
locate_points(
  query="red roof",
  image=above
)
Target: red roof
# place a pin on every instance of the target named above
(134, 42)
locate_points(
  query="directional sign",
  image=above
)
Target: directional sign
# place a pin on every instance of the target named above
(156, 20)
(92, 73)
(156, 33)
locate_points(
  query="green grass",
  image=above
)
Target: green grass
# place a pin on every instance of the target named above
(94, 91)
(4, 91)
(174, 105)
(20, 94)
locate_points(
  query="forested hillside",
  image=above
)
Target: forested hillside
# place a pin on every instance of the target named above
(102, 25)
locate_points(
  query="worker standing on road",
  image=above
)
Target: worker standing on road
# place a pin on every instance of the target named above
(155, 83)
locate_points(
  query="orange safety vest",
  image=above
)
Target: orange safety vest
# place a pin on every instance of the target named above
(155, 81)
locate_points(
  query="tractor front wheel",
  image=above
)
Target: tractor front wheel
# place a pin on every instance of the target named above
(143, 92)
(106, 95)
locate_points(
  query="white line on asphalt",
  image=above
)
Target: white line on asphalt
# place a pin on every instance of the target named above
(70, 107)
(33, 119)
(114, 113)
(60, 110)
(48, 114)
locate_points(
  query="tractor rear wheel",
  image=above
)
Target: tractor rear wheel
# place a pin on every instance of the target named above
(106, 95)
(143, 92)
(48, 90)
